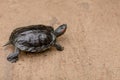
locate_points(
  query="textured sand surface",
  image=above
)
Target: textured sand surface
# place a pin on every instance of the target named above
(91, 43)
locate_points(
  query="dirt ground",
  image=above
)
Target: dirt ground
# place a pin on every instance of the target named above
(91, 42)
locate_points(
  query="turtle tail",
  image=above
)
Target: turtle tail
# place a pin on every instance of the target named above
(8, 43)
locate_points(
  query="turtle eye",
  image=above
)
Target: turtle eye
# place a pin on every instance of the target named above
(63, 27)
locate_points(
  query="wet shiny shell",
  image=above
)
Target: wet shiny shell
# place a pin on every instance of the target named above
(34, 38)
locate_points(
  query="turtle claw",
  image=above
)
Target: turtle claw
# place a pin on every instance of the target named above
(12, 58)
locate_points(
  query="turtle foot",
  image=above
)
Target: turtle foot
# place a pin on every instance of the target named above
(11, 58)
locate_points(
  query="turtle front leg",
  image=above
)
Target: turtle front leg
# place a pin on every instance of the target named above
(58, 46)
(14, 56)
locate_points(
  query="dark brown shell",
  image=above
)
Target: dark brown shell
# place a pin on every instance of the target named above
(33, 38)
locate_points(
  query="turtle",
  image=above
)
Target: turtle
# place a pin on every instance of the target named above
(34, 39)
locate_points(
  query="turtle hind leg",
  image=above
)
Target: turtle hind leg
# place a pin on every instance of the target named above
(58, 47)
(14, 56)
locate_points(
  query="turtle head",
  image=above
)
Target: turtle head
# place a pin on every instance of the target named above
(60, 30)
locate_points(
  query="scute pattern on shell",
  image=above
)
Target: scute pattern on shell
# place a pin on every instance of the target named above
(33, 38)
(31, 27)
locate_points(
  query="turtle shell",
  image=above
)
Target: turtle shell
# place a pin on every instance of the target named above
(33, 38)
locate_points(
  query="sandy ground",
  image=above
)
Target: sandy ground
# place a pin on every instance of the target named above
(92, 40)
